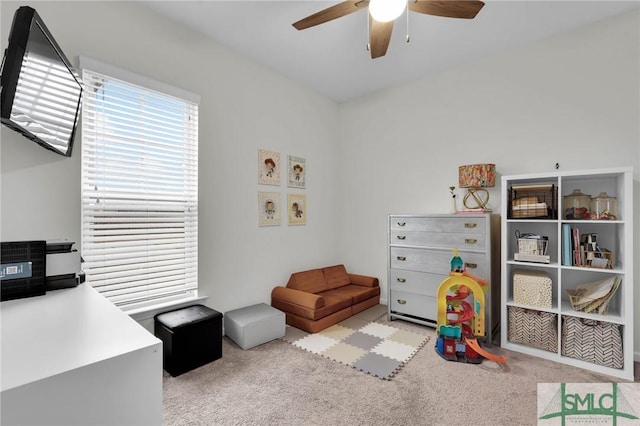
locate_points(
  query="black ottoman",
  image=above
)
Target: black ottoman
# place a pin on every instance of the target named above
(191, 337)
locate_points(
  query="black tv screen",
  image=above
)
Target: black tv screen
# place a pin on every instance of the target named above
(41, 92)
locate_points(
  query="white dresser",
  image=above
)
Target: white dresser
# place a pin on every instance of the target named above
(420, 253)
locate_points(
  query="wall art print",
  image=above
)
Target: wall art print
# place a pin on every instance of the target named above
(268, 167)
(297, 205)
(297, 172)
(269, 209)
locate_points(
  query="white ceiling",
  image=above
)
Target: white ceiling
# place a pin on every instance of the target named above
(332, 59)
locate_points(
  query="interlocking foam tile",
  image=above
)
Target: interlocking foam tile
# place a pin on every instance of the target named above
(378, 330)
(377, 365)
(344, 353)
(354, 323)
(374, 348)
(363, 341)
(291, 334)
(394, 350)
(315, 343)
(338, 332)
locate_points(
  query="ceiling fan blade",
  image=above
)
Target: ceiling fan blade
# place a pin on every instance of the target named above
(447, 9)
(379, 37)
(337, 11)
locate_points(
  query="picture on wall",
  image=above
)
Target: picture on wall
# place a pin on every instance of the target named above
(268, 167)
(269, 209)
(297, 205)
(297, 172)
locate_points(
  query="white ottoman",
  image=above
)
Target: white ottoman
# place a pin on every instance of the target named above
(254, 325)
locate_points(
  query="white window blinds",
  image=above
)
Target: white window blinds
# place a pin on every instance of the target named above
(139, 192)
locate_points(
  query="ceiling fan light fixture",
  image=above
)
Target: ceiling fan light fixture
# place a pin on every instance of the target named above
(386, 10)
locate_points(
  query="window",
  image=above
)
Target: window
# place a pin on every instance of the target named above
(139, 188)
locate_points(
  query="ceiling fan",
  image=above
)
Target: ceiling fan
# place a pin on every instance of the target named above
(382, 13)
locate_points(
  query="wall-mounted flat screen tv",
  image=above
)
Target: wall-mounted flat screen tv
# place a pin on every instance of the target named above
(41, 92)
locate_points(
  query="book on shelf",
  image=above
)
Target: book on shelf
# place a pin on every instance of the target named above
(566, 244)
(575, 241)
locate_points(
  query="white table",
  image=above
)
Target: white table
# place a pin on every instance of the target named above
(72, 357)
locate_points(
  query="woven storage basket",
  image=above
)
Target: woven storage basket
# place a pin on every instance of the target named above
(533, 328)
(532, 288)
(592, 341)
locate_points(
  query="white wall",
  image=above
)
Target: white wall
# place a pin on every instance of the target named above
(571, 99)
(244, 107)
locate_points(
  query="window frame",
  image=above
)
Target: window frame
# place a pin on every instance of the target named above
(189, 177)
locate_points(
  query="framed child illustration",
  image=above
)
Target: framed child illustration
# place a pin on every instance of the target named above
(268, 167)
(297, 205)
(297, 172)
(269, 209)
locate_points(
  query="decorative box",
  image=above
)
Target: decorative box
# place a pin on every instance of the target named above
(532, 288)
(592, 341)
(191, 337)
(533, 328)
(527, 201)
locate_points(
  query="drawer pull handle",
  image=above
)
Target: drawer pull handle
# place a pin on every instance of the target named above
(471, 265)
(402, 302)
(402, 258)
(401, 280)
(402, 223)
(470, 240)
(402, 237)
(470, 225)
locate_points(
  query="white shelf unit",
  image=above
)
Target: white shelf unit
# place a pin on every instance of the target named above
(615, 235)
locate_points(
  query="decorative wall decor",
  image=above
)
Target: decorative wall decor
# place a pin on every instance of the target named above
(297, 205)
(269, 209)
(297, 172)
(268, 167)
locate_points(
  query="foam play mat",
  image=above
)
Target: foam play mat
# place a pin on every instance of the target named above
(362, 343)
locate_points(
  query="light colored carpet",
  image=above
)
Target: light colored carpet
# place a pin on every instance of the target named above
(278, 384)
(360, 342)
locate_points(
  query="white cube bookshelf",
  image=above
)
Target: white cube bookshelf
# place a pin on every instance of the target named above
(615, 235)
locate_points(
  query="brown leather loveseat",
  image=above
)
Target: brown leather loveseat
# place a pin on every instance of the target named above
(318, 298)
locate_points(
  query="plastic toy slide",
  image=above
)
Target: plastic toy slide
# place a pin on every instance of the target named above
(473, 343)
(465, 314)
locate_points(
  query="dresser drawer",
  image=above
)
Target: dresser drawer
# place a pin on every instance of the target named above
(462, 241)
(437, 261)
(417, 305)
(462, 225)
(416, 282)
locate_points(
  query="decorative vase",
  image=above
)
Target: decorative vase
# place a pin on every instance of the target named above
(454, 208)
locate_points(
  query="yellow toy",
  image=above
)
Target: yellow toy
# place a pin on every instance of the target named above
(459, 323)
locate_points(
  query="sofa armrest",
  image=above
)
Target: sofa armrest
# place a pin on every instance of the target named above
(298, 297)
(363, 280)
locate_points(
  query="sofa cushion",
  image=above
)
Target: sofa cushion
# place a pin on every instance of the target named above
(334, 300)
(358, 293)
(336, 276)
(311, 281)
(332, 303)
(314, 326)
(297, 297)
